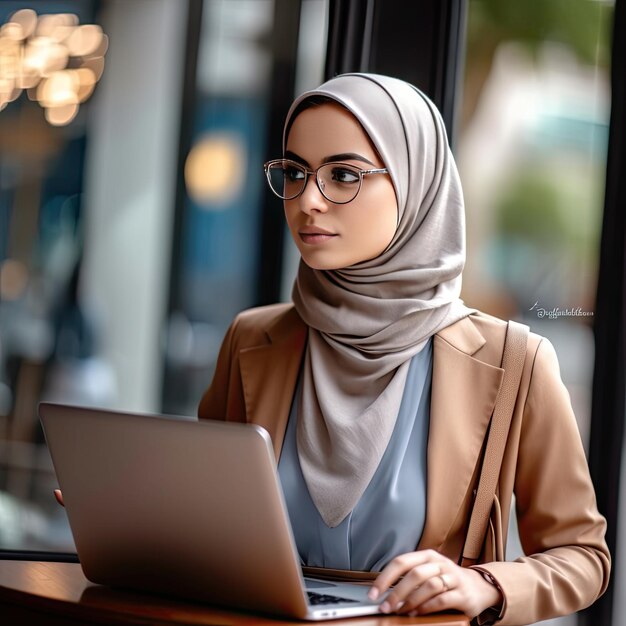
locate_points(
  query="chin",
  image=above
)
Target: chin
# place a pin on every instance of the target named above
(321, 264)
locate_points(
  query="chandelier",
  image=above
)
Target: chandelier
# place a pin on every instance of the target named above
(53, 58)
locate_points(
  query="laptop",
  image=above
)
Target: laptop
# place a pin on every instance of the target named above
(188, 508)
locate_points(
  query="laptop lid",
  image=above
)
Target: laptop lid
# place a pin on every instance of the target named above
(181, 507)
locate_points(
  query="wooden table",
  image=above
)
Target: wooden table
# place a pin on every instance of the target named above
(55, 594)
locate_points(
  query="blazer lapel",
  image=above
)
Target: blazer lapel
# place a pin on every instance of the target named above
(269, 374)
(463, 396)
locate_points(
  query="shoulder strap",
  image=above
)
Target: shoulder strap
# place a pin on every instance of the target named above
(512, 362)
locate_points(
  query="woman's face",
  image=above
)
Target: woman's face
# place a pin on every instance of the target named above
(334, 236)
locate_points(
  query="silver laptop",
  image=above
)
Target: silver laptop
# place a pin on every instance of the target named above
(185, 508)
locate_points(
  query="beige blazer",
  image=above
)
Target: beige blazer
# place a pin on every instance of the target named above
(561, 531)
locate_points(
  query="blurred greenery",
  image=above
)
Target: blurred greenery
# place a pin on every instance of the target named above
(546, 212)
(585, 26)
(530, 209)
(581, 24)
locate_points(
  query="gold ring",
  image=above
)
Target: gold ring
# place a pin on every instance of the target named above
(444, 582)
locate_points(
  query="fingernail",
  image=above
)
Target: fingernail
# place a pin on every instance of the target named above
(385, 607)
(373, 593)
(399, 606)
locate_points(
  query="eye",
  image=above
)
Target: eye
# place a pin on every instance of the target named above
(293, 173)
(344, 175)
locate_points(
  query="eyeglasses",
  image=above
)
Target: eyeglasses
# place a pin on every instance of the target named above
(339, 183)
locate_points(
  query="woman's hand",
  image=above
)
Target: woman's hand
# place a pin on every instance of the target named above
(431, 582)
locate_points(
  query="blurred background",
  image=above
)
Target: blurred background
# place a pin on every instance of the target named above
(134, 218)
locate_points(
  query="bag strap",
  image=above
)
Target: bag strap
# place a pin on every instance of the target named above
(515, 345)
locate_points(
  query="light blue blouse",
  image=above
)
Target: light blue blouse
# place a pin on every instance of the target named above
(389, 518)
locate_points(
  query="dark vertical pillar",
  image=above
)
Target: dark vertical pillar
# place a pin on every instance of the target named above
(350, 27)
(420, 42)
(285, 46)
(609, 387)
(187, 116)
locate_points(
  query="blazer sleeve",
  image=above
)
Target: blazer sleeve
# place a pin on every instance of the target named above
(223, 399)
(560, 528)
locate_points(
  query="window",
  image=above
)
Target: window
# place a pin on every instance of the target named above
(130, 236)
(532, 149)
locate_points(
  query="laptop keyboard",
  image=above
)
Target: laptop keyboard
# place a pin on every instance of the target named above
(316, 599)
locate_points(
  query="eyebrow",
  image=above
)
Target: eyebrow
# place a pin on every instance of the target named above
(344, 156)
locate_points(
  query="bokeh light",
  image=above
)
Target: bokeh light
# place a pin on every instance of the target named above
(215, 169)
(54, 58)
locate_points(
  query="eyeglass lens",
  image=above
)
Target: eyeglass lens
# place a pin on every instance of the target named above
(339, 183)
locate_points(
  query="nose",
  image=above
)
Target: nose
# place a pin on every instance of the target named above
(311, 199)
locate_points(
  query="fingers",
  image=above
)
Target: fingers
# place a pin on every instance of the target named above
(398, 567)
(441, 602)
(427, 584)
(424, 575)
(435, 591)
(430, 582)
(59, 497)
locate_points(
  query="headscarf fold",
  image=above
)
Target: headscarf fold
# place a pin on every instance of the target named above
(366, 321)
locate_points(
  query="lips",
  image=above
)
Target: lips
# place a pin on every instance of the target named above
(314, 230)
(315, 235)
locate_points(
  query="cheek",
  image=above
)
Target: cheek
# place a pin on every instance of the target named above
(386, 228)
(369, 234)
(382, 220)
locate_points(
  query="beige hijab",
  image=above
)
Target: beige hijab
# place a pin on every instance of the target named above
(366, 321)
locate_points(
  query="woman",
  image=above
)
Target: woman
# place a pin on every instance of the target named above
(377, 385)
